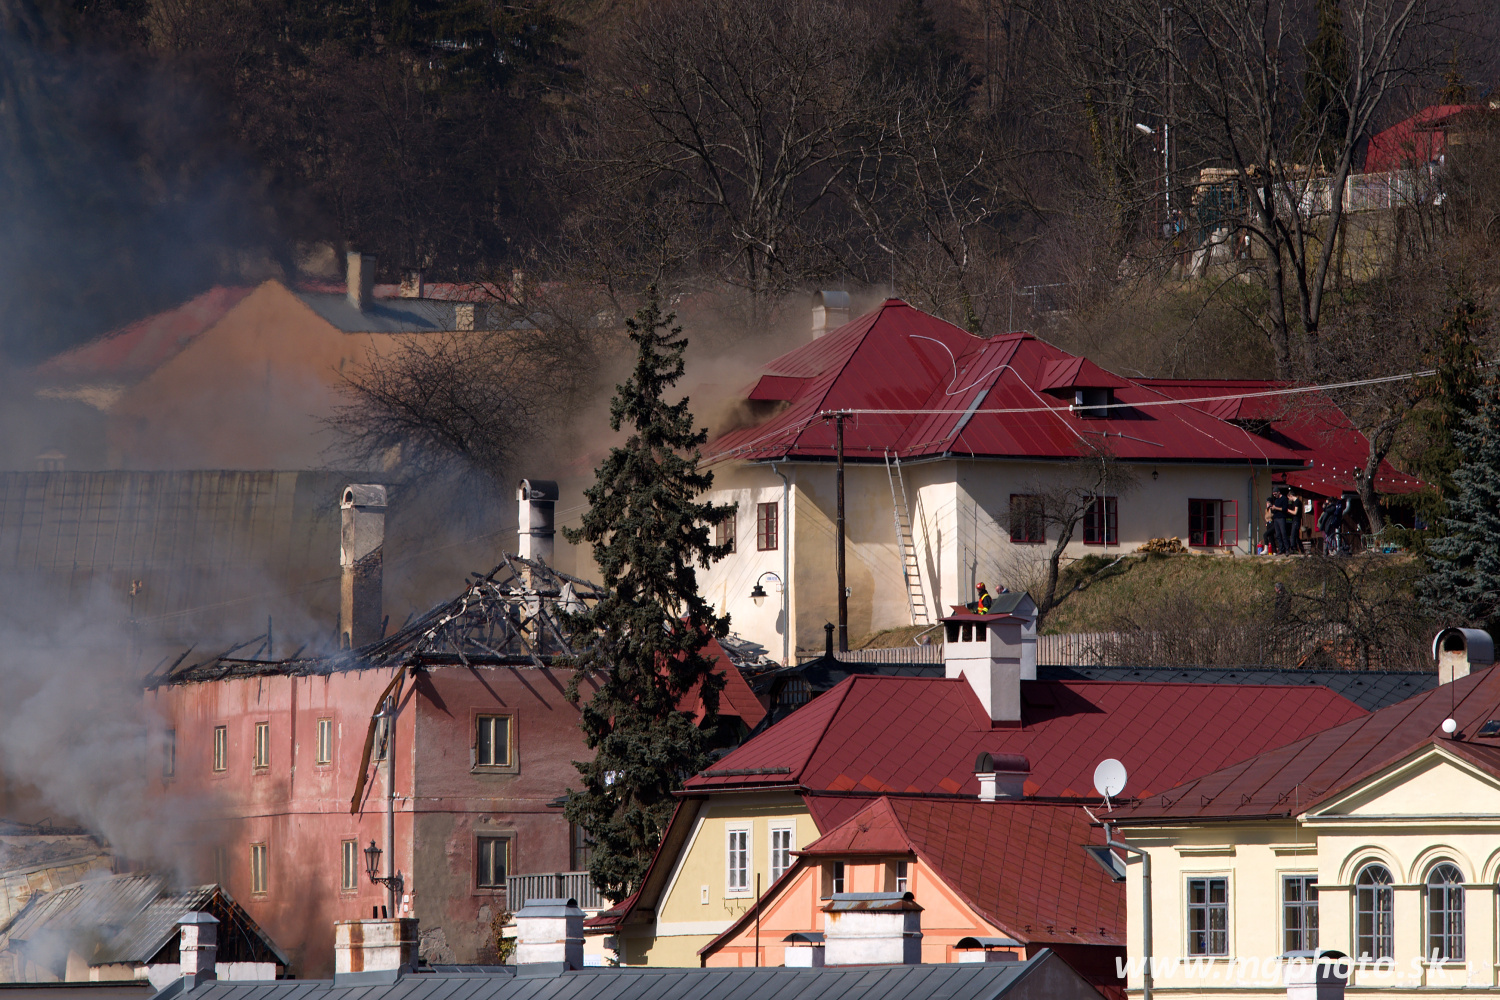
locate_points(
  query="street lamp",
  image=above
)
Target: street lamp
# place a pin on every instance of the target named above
(372, 867)
(758, 593)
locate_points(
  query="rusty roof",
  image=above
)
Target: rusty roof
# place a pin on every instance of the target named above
(1290, 779)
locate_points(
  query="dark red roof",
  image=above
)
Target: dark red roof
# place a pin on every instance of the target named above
(737, 699)
(1418, 140)
(944, 380)
(1290, 779)
(1309, 424)
(879, 734)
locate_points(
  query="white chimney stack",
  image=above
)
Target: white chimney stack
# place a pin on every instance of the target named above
(989, 652)
(829, 312)
(384, 946)
(534, 538)
(361, 552)
(550, 931)
(1461, 650)
(413, 283)
(360, 280)
(872, 928)
(1001, 776)
(198, 945)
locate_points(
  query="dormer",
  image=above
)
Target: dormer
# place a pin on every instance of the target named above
(1090, 389)
(988, 652)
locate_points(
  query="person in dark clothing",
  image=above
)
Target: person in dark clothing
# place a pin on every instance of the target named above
(1281, 518)
(982, 600)
(1329, 523)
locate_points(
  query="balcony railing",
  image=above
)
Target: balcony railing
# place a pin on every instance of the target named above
(553, 885)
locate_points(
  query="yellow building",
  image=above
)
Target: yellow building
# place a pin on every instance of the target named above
(1378, 839)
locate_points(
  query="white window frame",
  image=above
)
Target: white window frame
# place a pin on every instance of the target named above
(746, 853)
(349, 865)
(790, 830)
(259, 880)
(324, 752)
(1187, 929)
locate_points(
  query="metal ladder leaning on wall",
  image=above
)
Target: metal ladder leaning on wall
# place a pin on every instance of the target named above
(916, 600)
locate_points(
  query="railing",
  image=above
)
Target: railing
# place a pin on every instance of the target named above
(553, 885)
(896, 654)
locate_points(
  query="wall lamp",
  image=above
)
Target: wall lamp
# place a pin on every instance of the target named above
(758, 593)
(372, 865)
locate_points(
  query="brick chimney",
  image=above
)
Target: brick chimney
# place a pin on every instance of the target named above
(360, 280)
(198, 945)
(1461, 650)
(1001, 776)
(376, 950)
(829, 312)
(550, 931)
(534, 536)
(361, 551)
(872, 928)
(989, 652)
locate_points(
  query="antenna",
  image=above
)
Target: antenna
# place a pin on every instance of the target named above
(1109, 780)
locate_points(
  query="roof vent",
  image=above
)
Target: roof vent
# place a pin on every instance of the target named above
(829, 312)
(987, 949)
(1001, 776)
(804, 950)
(1461, 650)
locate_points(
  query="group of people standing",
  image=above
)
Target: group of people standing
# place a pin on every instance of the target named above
(1292, 520)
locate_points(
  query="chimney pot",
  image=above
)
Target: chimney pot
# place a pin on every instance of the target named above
(413, 283)
(549, 931)
(361, 555)
(198, 945)
(534, 532)
(830, 311)
(360, 280)
(872, 928)
(1001, 776)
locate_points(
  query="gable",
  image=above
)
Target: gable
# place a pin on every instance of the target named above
(1429, 783)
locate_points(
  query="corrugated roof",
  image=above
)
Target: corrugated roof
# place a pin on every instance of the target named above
(1289, 779)
(976, 981)
(1417, 140)
(901, 358)
(874, 734)
(101, 905)
(157, 927)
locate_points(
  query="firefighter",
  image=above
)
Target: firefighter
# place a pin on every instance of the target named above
(982, 600)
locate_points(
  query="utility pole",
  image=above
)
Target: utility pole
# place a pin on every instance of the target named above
(838, 424)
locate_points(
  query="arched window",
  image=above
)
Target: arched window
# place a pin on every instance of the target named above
(1445, 913)
(1374, 906)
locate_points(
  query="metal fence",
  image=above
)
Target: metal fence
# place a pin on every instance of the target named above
(553, 885)
(897, 654)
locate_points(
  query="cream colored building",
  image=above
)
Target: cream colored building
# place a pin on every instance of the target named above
(1378, 839)
(978, 427)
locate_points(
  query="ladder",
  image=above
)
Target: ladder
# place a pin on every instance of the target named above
(916, 601)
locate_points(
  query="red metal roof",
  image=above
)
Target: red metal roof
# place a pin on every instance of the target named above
(900, 358)
(1290, 779)
(1418, 140)
(1309, 424)
(737, 699)
(879, 734)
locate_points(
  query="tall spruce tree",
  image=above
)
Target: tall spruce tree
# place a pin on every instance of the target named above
(1325, 109)
(1463, 583)
(647, 530)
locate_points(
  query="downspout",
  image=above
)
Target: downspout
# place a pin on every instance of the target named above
(1110, 841)
(390, 803)
(1251, 520)
(786, 567)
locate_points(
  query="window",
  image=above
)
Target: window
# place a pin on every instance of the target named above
(492, 741)
(262, 744)
(1213, 522)
(221, 864)
(837, 880)
(494, 862)
(781, 851)
(902, 878)
(1026, 519)
(1374, 913)
(1101, 521)
(1208, 916)
(349, 867)
(169, 753)
(1445, 913)
(258, 869)
(1299, 912)
(1091, 402)
(325, 741)
(737, 862)
(726, 530)
(765, 526)
(221, 748)
(582, 847)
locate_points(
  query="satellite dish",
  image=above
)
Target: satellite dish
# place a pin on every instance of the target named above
(1109, 778)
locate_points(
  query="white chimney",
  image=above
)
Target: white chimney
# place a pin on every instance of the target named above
(804, 950)
(1315, 975)
(534, 536)
(829, 312)
(386, 946)
(360, 280)
(1001, 776)
(361, 552)
(987, 949)
(1461, 650)
(198, 945)
(550, 931)
(988, 651)
(413, 283)
(872, 928)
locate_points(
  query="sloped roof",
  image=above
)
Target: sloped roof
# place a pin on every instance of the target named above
(101, 904)
(1369, 689)
(735, 700)
(1416, 140)
(1308, 424)
(915, 735)
(1289, 779)
(944, 380)
(158, 926)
